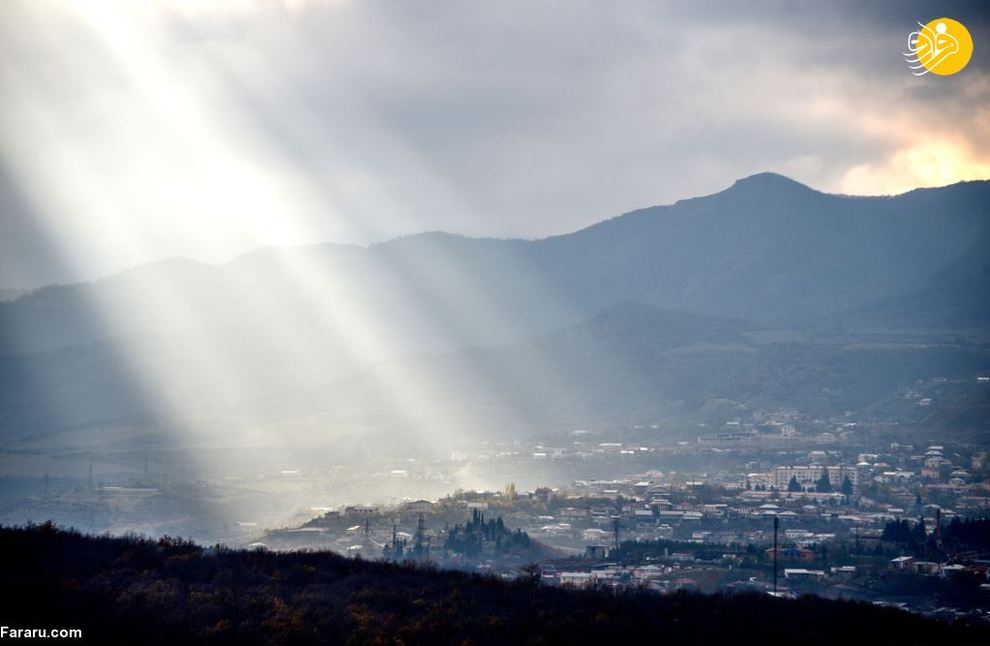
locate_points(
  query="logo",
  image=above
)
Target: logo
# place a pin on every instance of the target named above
(942, 47)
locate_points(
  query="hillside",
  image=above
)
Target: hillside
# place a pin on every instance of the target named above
(643, 315)
(634, 363)
(766, 249)
(953, 298)
(130, 591)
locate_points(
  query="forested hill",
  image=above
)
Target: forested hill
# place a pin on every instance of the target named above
(137, 591)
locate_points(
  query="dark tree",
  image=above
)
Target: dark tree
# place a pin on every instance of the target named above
(847, 486)
(823, 484)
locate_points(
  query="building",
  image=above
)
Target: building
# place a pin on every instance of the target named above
(801, 573)
(420, 507)
(761, 480)
(576, 579)
(792, 554)
(807, 476)
(358, 510)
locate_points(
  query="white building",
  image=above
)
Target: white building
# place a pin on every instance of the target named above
(807, 476)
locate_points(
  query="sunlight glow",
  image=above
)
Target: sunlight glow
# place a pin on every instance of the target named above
(931, 162)
(175, 162)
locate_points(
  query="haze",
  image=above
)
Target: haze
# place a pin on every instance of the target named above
(313, 254)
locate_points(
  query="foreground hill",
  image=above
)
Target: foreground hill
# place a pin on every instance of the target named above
(131, 591)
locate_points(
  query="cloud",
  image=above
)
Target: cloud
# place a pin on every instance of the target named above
(931, 162)
(138, 131)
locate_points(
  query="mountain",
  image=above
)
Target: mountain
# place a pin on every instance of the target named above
(954, 298)
(766, 249)
(650, 311)
(774, 251)
(637, 364)
(11, 294)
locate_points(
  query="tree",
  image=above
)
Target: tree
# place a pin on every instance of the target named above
(533, 573)
(823, 485)
(794, 486)
(901, 532)
(847, 486)
(919, 531)
(510, 491)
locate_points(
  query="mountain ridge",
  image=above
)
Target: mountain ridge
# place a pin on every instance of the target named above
(762, 179)
(767, 252)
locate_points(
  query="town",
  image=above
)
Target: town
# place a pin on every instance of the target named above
(857, 508)
(896, 524)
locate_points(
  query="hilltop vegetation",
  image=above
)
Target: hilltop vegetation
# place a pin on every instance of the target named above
(170, 591)
(478, 536)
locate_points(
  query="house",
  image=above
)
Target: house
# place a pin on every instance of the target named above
(594, 535)
(949, 570)
(647, 572)
(420, 506)
(927, 568)
(801, 573)
(643, 516)
(792, 554)
(357, 510)
(576, 579)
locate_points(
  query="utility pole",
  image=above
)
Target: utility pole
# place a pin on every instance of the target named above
(615, 531)
(776, 524)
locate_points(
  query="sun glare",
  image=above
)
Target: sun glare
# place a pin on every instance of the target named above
(931, 162)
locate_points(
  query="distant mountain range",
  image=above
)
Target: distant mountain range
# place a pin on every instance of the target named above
(652, 312)
(767, 249)
(638, 364)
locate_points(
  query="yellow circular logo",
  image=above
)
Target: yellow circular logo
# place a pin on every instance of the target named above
(943, 47)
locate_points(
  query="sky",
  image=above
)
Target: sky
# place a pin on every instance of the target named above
(135, 131)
